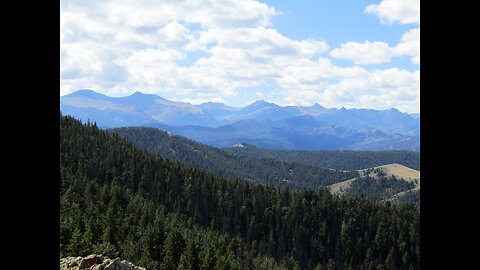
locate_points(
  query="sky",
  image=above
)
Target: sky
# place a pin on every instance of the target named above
(350, 53)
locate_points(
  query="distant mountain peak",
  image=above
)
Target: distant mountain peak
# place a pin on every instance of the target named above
(259, 104)
(141, 94)
(260, 123)
(214, 104)
(262, 102)
(86, 93)
(317, 106)
(141, 99)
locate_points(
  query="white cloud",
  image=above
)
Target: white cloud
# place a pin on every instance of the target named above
(196, 101)
(410, 45)
(364, 53)
(241, 50)
(175, 33)
(201, 50)
(380, 52)
(352, 87)
(396, 11)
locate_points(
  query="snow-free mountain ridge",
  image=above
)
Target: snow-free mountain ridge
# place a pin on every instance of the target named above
(261, 123)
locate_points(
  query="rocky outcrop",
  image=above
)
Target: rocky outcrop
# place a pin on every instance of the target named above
(96, 262)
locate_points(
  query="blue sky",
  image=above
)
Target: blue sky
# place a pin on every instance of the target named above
(338, 22)
(353, 54)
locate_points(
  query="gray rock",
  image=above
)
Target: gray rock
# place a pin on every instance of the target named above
(96, 262)
(113, 265)
(75, 261)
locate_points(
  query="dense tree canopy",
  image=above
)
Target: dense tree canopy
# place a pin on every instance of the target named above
(260, 170)
(122, 201)
(378, 189)
(341, 160)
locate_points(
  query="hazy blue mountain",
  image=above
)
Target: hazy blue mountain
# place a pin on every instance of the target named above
(261, 123)
(414, 115)
(299, 132)
(106, 111)
(258, 105)
(390, 121)
(220, 111)
(136, 109)
(317, 106)
(392, 142)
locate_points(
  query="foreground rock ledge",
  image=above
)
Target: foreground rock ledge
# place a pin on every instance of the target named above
(96, 262)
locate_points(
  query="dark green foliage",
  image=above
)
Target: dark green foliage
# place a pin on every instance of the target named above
(121, 201)
(340, 160)
(410, 196)
(378, 188)
(259, 170)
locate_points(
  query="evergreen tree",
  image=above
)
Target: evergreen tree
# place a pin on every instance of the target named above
(117, 200)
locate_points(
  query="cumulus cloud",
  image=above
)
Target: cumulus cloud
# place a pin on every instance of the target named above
(364, 53)
(380, 52)
(207, 50)
(149, 39)
(175, 33)
(351, 87)
(396, 11)
(410, 45)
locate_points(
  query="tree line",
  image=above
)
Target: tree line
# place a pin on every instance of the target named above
(260, 170)
(158, 213)
(379, 188)
(334, 159)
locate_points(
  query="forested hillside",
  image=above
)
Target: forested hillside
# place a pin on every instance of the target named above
(412, 196)
(259, 170)
(378, 189)
(341, 160)
(121, 201)
(391, 182)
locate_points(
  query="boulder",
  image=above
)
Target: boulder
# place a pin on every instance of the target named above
(89, 261)
(96, 262)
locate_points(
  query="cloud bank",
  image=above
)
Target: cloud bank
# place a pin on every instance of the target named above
(213, 50)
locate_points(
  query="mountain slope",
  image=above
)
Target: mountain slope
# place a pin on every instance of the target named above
(261, 123)
(159, 214)
(387, 182)
(136, 109)
(341, 160)
(259, 170)
(397, 170)
(389, 121)
(295, 133)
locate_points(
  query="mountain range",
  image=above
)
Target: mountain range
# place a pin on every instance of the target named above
(261, 123)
